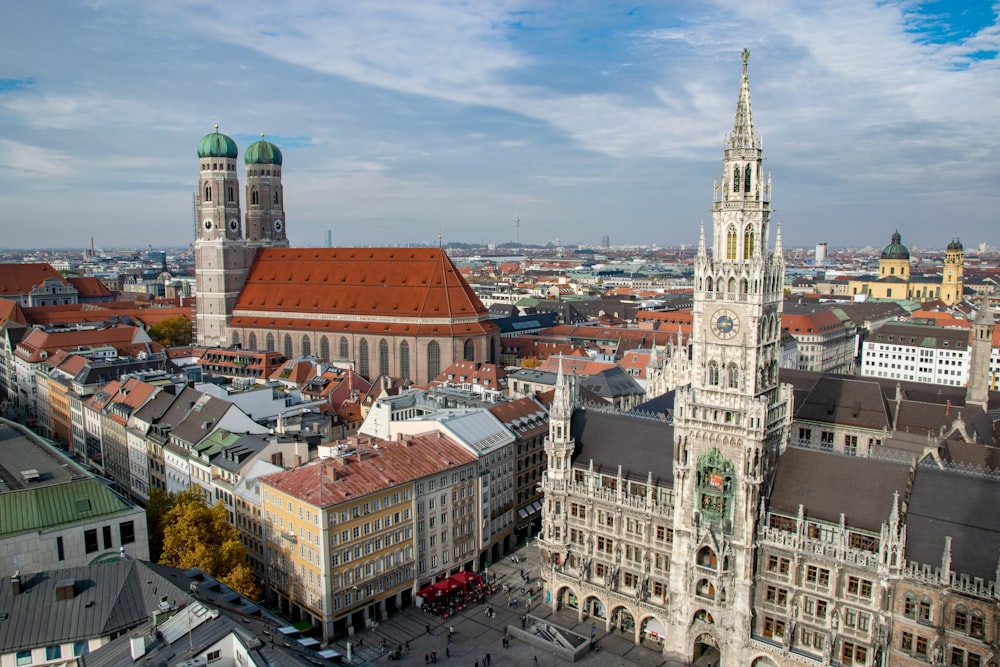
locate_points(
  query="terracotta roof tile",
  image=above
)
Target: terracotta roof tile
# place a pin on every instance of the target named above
(21, 278)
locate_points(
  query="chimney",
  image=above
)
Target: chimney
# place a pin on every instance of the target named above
(947, 408)
(138, 644)
(16, 587)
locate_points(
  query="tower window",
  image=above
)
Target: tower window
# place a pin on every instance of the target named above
(748, 241)
(734, 376)
(736, 178)
(713, 373)
(746, 180)
(275, 197)
(208, 193)
(232, 195)
(254, 198)
(731, 242)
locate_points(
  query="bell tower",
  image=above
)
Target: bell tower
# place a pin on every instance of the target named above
(952, 275)
(265, 221)
(731, 420)
(220, 251)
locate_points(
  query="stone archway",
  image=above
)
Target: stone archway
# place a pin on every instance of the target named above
(623, 620)
(705, 651)
(596, 607)
(763, 661)
(652, 632)
(565, 597)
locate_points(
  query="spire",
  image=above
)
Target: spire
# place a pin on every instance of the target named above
(777, 242)
(701, 240)
(562, 404)
(743, 135)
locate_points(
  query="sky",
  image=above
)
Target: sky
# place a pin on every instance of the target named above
(404, 121)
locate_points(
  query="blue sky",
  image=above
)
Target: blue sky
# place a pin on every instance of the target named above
(402, 120)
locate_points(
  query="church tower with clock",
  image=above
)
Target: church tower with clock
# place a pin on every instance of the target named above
(731, 421)
(221, 252)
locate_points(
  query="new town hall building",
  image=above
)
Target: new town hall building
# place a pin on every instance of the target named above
(807, 520)
(401, 312)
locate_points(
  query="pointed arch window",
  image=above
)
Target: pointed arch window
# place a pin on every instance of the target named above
(288, 345)
(383, 357)
(254, 197)
(324, 348)
(345, 349)
(269, 342)
(276, 197)
(404, 360)
(748, 242)
(236, 339)
(252, 341)
(433, 360)
(469, 351)
(746, 179)
(363, 358)
(232, 194)
(208, 193)
(736, 178)
(731, 242)
(734, 376)
(713, 373)
(306, 346)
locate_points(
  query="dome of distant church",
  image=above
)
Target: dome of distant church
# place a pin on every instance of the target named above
(955, 244)
(217, 144)
(262, 152)
(895, 250)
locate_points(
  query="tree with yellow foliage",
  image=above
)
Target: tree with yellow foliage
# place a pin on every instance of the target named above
(196, 535)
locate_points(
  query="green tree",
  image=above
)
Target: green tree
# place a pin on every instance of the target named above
(157, 506)
(196, 535)
(172, 332)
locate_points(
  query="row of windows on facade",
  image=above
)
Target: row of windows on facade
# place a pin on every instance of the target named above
(231, 195)
(433, 352)
(231, 166)
(126, 535)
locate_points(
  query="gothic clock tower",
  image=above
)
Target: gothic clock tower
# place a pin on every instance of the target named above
(731, 421)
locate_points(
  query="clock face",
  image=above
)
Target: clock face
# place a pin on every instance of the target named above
(208, 224)
(277, 225)
(234, 224)
(725, 324)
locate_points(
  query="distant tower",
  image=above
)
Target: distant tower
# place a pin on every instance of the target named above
(978, 390)
(220, 251)
(265, 198)
(517, 230)
(953, 278)
(605, 241)
(820, 255)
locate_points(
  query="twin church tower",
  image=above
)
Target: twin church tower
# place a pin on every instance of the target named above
(225, 242)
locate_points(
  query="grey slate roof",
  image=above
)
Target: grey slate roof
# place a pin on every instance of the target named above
(611, 383)
(828, 485)
(638, 445)
(845, 402)
(109, 598)
(945, 503)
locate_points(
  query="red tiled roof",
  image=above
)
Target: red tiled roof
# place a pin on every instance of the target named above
(21, 278)
(329, 481)
(300, 286)
(823, 320)
(120, 337)
(11, 311)
(88, 287)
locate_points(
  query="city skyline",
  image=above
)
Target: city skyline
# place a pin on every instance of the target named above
(401, 122)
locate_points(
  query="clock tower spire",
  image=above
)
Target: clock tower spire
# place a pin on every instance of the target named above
(731, 421)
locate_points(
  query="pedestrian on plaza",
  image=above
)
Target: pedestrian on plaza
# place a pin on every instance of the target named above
(477, 663)
(434, 657)
(428, 626)
(447, 652)
(489, 659)
(407, 644)
(534, 661)
(427, 658)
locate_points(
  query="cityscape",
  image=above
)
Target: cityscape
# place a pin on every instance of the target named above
(726, 450)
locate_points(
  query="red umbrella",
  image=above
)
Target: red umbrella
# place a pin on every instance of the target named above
(466, 578)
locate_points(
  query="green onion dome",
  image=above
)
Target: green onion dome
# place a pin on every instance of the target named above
(262, 152)
(217, 144)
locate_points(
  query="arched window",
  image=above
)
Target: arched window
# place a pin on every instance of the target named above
(252, 341)
(731, 242)
(236, 339)
(736, 178)
(363, 358)
(404, 360)
(713, 373)
(469, 353)
(708, 284)
(743, 285)
(734, 376)
(383, 357)
(288, 345)
(748, 239)
(208, 192)
(275, 196)
(324, 348)
(345, 349)
(746, 179)
(232, 194)
(433, 360)
(254, 197)
(306, 346)
(269, 342)
(732, 286)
